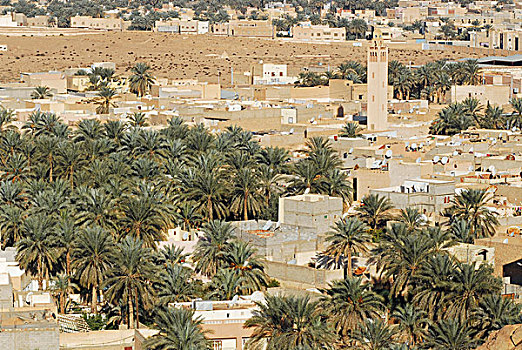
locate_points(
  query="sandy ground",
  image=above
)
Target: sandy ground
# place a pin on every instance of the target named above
(180, 56)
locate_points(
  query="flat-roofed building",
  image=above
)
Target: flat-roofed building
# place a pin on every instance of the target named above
(308, 32)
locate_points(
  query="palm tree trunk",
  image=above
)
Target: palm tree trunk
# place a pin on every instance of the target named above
(94, 300)
(137, 309)
(245, 207)
(68, 264)
(62, 303)
(71, 177)
(40, 275)
(131, 313)
(349, 264)
(50, 168)
(210, 216)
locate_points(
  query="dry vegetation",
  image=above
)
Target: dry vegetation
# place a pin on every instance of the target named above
(179, 56)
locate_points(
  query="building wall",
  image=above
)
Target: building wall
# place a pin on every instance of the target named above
(318, 33)
(377, 86)
(27, 338)
(295, 276)
(98, 23)
(315, 211)
(494, 94)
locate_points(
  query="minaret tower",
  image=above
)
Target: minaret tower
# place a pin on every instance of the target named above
(377, 86)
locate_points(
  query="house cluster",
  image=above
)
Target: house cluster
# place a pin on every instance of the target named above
(394, 157)
(478, 24)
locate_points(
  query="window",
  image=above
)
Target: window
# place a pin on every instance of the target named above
(217, 345)
(360, 97)
(280, 74)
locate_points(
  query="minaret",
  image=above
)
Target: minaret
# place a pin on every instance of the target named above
(377, 86)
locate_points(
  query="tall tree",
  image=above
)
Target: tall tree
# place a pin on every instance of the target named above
(92, 260)
(288, 323)
(141, 79)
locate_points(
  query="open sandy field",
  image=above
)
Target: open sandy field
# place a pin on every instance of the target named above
(180, 56)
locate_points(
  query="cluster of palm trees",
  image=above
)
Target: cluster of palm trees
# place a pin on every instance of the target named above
(86, 207)
(350, 70)
(101, 79)
(431, 81)
(471, 113)
(420, 298)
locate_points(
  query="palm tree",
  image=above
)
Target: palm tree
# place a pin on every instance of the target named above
(450, 334)
(412, 218)
(225, 285)
(211, 249)
(178, 329)
(337, 184)
(471, 72)
(348, 303)
(276, 158)
(131, 278)
(141, 79)
(243, 261)
(469, 284)
(175, 285)
(11, 222)
(494, 312)
(494, 118)
(471, 205)
(143, 218)
(138, 120)
(92, 260)
(413, 322)
(349, 236)
(516, 118)
(67, 236)
(245, 193)
(37, 251)
(171, 255)
(375, 335)
(432, 284)
(41, 92)
(473, 107)
(358, 27)
(350, 129)
(288, 323)
(104, 100)
(402, 255)
(374, 210)
(62, 287)
(7, 116)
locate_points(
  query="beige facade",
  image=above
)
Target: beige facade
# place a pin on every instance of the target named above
(245, 28)
(318, 33)
(181, 26)
(377, 86)
(310, 210)
(492, 94)
(427, 195)
(54, 80)
(99, 23)
(38, 21)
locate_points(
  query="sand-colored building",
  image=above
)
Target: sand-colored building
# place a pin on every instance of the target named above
(55, 81)
(308, 32)
(181, 26)
(245, 28)
(99, 23)
(492, 94)
(377, 86)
